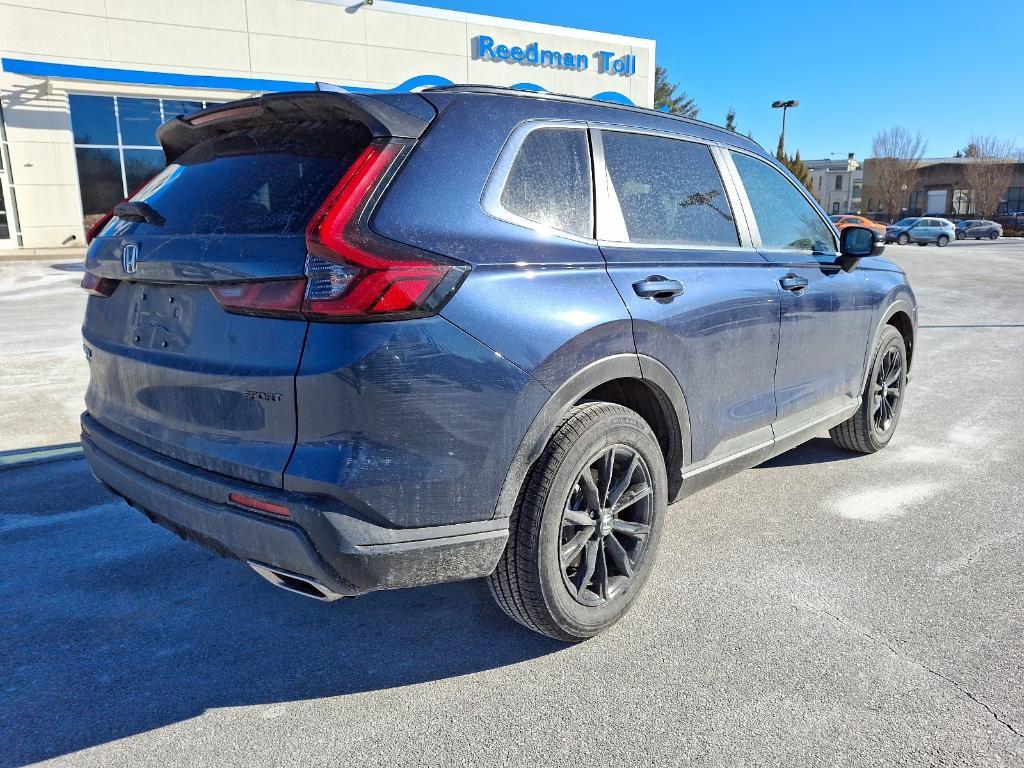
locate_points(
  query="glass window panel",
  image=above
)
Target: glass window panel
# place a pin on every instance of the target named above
(92, 119)
(99, 178)
(669, 190)
(5, 230)
(549, 181)
(784, 217)
(140, 165)
(174, 108)
(139, 119)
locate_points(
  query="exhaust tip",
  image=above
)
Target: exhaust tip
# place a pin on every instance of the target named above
(295, 582)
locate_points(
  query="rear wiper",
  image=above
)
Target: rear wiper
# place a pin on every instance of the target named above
(134, 211)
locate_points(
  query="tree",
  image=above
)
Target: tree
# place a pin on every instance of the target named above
(796, 166)
(897, 154)
(730, 119)
(988, 172)
(667, 100)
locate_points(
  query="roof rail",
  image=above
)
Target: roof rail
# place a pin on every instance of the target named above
(498, 90)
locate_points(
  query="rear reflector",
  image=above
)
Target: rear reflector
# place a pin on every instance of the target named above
(258, 505)
(99, 286)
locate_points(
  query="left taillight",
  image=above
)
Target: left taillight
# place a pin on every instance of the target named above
(95, 285)
(351, 273)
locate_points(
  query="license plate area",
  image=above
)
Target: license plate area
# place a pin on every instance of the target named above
(161, 317)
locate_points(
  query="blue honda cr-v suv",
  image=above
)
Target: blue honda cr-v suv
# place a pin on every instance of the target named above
(366, 342)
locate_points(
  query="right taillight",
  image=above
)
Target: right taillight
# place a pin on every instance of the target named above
(356, 275)
(351, 273)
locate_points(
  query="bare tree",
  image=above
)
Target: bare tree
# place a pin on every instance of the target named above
(897, 154)
(988, 172)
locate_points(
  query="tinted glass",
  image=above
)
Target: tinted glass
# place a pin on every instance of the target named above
(784, 217)
(669, 190)
(549, 181)
(99, 175)
(5, 229)
(140, 165)
(175, 108)
(264, 181)
(139, 119)
(92, 119)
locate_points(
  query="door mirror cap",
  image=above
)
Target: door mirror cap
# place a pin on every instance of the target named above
(856, 243)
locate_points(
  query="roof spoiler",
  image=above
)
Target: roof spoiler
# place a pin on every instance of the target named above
(382, 119)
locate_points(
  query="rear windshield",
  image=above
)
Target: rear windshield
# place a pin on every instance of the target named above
(268, 180)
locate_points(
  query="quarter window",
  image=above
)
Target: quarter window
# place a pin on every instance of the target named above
(550, 181)
(669, 190)
(784, 217)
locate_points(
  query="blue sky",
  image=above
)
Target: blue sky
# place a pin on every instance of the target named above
(855, 68)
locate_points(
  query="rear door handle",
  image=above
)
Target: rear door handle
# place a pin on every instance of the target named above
(793, 283)
(657, 287)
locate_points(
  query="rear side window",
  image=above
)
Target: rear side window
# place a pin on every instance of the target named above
(784, 217)
(550, 181)
(669, 190)
(268, 180)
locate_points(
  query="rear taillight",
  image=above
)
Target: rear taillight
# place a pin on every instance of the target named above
(99, 286)
(351, 273)
(356, 275)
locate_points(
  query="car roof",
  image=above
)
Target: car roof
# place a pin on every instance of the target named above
(649, 117)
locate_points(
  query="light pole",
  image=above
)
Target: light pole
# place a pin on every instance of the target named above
(784, 105)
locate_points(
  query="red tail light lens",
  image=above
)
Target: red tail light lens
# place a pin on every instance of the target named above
(276, 298)
(99, 286)
(354, 274)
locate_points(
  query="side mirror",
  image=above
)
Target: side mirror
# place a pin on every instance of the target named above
(856, 243)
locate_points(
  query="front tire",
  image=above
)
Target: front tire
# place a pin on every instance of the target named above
(585, 529)
(961, 236)
(871, 428)
(903, 239)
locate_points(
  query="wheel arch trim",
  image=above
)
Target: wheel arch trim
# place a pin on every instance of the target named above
(616, 367)
(902, 304)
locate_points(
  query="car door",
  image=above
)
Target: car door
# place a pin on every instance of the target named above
(703, 301)
(826, 312)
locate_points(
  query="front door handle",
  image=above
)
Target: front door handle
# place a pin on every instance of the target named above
(794, 283)
(657, 287)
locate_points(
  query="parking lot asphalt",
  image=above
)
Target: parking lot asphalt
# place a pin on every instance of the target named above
(822, 609)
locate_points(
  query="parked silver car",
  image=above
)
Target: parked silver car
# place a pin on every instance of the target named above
(921, 230)
(978, 228)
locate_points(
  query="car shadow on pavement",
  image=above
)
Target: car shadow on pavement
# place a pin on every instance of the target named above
(113, 627)
(816, 451)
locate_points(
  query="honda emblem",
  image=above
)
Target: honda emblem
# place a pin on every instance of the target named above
(130, 257)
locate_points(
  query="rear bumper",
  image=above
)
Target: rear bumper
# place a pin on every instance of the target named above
(324, 541)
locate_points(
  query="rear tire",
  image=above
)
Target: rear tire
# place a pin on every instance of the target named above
(584, 531)
(993, 235)
(943, 241)
(871, 428)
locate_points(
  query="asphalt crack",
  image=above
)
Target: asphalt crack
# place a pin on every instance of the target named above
(896, 652)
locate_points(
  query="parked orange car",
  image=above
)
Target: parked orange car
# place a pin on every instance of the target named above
(849, 220)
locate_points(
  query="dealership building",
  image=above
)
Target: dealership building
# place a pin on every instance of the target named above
(85, 83)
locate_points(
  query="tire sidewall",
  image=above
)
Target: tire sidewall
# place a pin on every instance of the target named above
(903, 239)
(942, 242)
(572, 617)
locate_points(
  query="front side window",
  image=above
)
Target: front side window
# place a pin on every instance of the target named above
(669, 190)
(550, 181)
(784, 217)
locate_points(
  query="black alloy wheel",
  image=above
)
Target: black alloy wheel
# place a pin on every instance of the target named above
(606, 525)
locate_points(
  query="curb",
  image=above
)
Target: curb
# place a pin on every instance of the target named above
(29, 457)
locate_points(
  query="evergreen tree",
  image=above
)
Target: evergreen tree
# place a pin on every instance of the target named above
(667, 100)
(797, 168)
(730, 119)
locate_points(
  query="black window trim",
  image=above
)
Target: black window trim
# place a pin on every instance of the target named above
(610, 221)
(748, 209)
(494, 186)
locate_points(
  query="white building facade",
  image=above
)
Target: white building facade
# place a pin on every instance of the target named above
(85, 83)
(837, 183)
